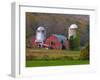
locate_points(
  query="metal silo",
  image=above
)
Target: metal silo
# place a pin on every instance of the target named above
(40, 35)
(72, 31)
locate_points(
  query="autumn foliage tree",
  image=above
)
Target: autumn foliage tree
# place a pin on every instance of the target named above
(85, 53)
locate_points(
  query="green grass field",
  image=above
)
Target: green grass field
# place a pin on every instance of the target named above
(54, 63)
(43, 57)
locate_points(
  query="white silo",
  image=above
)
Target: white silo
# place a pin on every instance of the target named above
(72, 31)
(40, 35)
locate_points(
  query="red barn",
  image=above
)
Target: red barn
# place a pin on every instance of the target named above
(57, 42)
(53, 42)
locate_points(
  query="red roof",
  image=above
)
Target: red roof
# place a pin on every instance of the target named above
(53, 42)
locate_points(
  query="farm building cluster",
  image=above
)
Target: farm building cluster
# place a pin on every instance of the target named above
(54, 41)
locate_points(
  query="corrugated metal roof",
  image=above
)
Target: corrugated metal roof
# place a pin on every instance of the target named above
(61, 38)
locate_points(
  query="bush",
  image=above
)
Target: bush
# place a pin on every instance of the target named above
(74, 43)
(85, 53)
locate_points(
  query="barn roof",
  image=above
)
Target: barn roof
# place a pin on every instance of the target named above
(60, 37)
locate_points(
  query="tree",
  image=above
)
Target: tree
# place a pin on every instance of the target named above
(74, 43)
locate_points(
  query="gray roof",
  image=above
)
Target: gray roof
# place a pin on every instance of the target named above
(61, 38)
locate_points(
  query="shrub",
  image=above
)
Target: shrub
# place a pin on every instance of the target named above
(74, 43)
(85, 53)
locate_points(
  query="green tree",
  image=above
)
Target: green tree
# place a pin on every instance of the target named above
(74, 43)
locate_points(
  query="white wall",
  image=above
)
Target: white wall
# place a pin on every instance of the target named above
(5, 39)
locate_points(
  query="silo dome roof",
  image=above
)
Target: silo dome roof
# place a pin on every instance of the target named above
(40, 28)
(73, 26)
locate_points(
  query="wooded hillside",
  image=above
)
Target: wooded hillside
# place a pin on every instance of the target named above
(57, 24)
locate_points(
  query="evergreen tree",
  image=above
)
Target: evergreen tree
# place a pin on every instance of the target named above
(74, 43)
